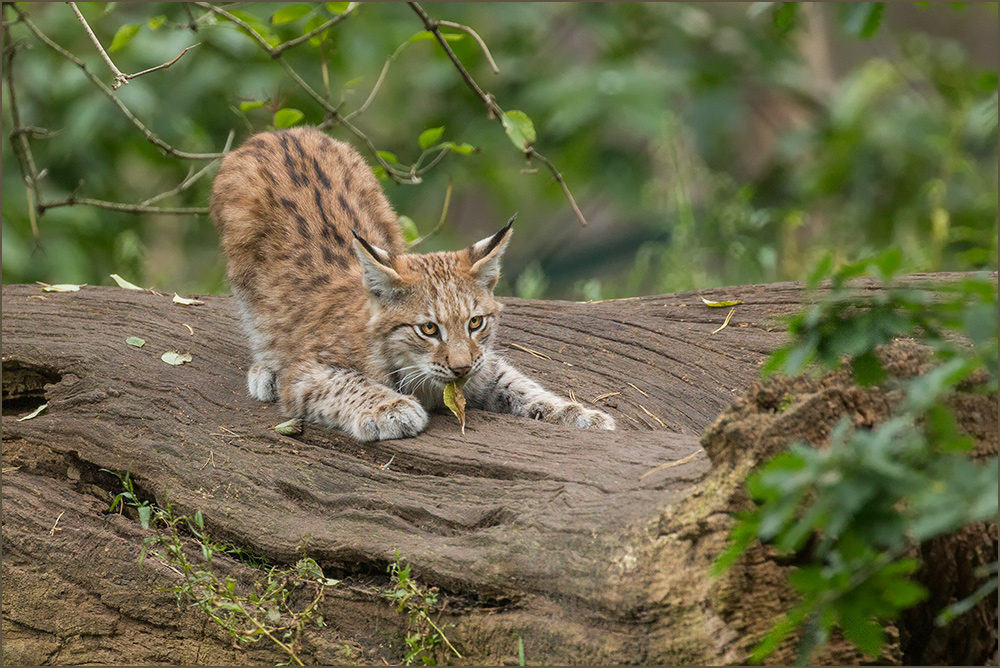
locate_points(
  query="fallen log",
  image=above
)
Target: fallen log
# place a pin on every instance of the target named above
(589, 547)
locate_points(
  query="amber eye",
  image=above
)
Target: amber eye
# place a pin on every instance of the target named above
(429, 329)
(475, 322)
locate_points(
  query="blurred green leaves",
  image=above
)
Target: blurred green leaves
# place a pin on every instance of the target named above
(286, 118)
(716, 151)
(124, 36)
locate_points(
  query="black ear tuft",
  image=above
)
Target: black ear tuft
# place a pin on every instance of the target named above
(498, 237)
(377, 254)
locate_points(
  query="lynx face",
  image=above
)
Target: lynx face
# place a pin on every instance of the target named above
(438, 311)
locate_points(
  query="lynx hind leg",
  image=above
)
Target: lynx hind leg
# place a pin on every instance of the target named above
(347, 400)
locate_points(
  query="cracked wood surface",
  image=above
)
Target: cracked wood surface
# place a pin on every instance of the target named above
(521, 524)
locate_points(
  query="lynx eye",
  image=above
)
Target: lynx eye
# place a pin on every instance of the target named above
(429, 329)
(475, 322)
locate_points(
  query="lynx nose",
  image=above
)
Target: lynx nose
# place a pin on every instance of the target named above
(460, 371)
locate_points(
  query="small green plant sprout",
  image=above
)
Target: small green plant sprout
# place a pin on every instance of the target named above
(278, 606)
(128, 497)
(855, 509)
(423, 636)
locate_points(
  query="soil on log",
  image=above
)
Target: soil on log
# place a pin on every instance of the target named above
(580, 543)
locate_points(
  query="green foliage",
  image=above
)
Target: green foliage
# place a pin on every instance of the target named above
(424, 637)
(854, 508)
(279, 606)
(715, 151)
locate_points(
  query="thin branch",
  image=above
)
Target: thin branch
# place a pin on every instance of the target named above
(73, 200)
(562, 184)
(191, 179)
(492, 108)
(440, 224)
(332, 111)
(163, 66)
(281, 48)
(371, 96)
(475, 36)
(150, 136)
(434, 27)
(18, 136)
(120, 77)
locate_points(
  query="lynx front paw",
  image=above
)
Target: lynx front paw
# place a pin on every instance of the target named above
(401, 417)
(573, 414)
(262, 383)
(577, 415)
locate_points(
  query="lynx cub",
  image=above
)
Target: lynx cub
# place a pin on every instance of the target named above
(346, 328)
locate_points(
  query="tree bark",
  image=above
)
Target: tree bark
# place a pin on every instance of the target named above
(575, 541)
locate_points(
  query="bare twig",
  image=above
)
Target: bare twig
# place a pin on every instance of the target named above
(644, 410)
(18, 136)
(530, 351)
(150, 136)
(440, 224)
(371, 96)
(164, 65)
(72, 200)
(191, 179)
(728, 318)
(669, 465)
(493, 110)
(562, 184)
(479, 40)
(120, 77)
(55, 528)
(281, 48)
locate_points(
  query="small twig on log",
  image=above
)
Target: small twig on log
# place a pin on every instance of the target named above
(670, 465)
(54, 528)
(493, 110)
(120, 77)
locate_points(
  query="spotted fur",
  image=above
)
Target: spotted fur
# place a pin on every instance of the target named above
(346, 329)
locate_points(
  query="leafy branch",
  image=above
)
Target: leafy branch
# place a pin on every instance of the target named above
(854, 509)
(120, 77)
(32, 176)
(516, 124)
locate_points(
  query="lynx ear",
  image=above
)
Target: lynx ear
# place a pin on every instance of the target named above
(381, 278)
(485, 256)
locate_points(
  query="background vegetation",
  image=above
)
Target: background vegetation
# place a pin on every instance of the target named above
(706, 144)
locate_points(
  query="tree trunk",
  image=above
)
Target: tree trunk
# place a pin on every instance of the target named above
(573, 541)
